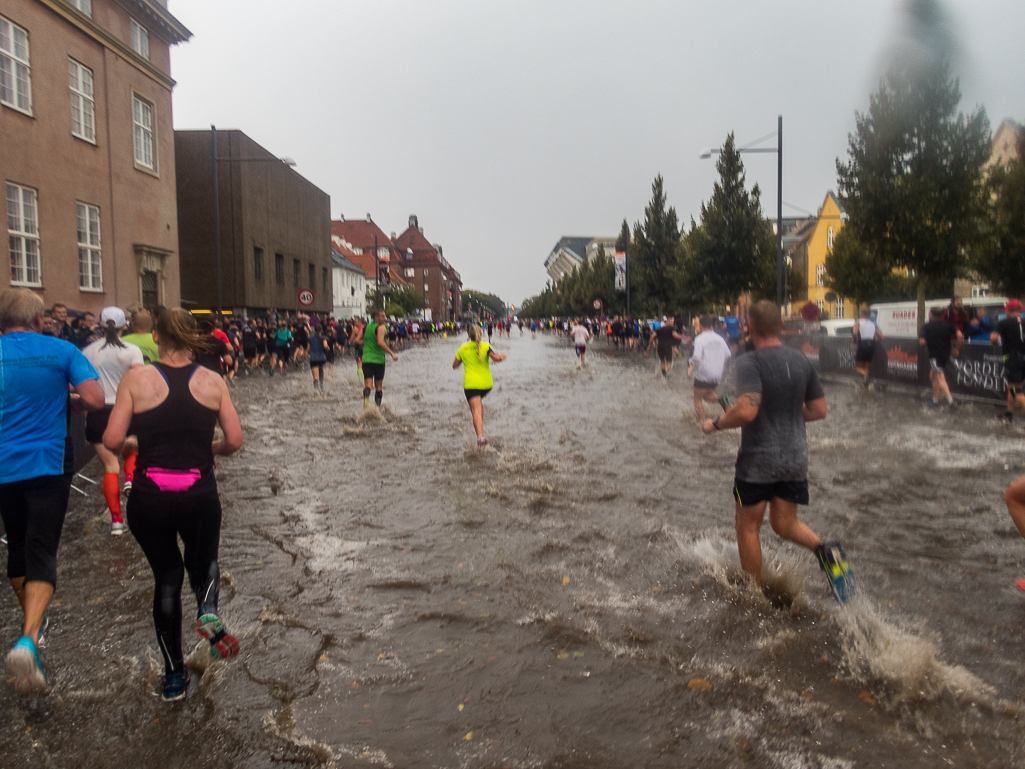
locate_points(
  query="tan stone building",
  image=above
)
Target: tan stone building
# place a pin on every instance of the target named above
(87, 151)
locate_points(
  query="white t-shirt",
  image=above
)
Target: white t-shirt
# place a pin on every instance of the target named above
(580, 335)
(709, 358)
(866, 330)
(112, 363)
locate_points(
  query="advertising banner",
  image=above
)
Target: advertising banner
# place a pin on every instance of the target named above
(978, 370)
(620, 261)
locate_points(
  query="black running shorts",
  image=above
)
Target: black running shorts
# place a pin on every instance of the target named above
(866, 351)
(96, 424)
(373, 371)
(748, 493)
(482, 394)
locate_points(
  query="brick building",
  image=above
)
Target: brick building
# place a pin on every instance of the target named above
(275, 228)
(424, 267)
(368, 247)
(87, 150)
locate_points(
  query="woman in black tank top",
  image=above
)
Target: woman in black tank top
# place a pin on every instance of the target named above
(175, 492)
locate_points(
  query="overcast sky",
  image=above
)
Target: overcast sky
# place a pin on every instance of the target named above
(504, 126)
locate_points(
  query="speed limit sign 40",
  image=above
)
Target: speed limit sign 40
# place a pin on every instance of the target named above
(306, 297)
(597, 304)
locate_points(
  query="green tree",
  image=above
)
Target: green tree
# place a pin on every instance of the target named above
(623, 241)
(1002, 260)
(491, 302)
(733, 250)
(912, 185)
(853, 272)
(653, 260)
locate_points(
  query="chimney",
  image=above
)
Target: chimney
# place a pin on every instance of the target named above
(412, 221)
(341, 217)
(393, 236)
(421, 229)
(368, 218)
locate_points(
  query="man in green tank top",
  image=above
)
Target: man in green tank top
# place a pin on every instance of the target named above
(375, 345)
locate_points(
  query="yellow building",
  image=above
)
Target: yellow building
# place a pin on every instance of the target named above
(807, 253)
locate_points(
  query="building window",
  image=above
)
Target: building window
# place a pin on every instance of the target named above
(839, 308)
(820, 275)
(142, 117)
(90, 269)
(140, 40)
(296, 272)
(279, 269)
(829, 238)
(258, 263)
(313, 277)
(85, 6)
(409, 272)
(150, 289)
(323, 280)
(23, 235)
(15, 72)
(83, 108)
(820, 305)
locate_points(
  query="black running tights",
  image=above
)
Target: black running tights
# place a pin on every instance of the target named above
(157, 519)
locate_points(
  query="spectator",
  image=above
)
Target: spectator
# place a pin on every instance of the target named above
(981, 327)
(59, 313)
(957, 316)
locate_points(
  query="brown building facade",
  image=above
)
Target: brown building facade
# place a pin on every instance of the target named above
(423, 266)
(275, 228)
(87, 151)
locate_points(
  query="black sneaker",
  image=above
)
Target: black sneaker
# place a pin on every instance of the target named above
(833, 562)
(176, 686)
(1006, 418)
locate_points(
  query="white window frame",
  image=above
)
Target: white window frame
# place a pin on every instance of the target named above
(85, 6)
(83, 104)
(820, 274)
(23, 235)
(143, 133)
(15, 67)
(839, 308)
(90, 253)
(820, 304)
(409, 272)
(140, 39)
(829, 238)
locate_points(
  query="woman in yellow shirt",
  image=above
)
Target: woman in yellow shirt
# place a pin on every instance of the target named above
(476, 357)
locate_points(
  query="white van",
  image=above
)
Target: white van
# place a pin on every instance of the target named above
(899, 320)
(837, 327)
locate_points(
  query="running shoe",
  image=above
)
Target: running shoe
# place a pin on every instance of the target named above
(1020, 582)
(118, 527)
(366, 402)
(1007, 419)
(222, 643)
(3, 539)
(933, 405)
(41, 635)
(127, 488)
(834, 563)
(26, 666)
(176, 686)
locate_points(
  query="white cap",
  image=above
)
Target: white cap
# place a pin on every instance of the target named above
(113, 315)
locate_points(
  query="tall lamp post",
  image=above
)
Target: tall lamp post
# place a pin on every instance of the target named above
(779, 198)
(217, 206)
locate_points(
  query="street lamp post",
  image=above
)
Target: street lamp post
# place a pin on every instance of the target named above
(779, 199)
(217, 206)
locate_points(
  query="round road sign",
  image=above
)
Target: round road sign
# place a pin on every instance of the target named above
(597, 304)
(306, 297)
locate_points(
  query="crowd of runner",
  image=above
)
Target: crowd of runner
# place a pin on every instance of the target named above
(155, 387)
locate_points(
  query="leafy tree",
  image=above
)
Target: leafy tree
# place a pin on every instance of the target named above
(1002, 261)
(734, 249)
(912, 185)
(653, 260)
(854, 272)
(490, 301)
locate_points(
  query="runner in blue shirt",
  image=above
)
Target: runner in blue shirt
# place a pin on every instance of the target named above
(36, 463)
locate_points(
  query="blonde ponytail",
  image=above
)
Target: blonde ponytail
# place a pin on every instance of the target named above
(473, 332)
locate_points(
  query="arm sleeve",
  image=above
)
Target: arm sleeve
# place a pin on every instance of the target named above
(748, 378)
(813, 391)
(78, 367)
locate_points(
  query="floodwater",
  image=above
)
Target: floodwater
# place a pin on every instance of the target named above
(568, 597)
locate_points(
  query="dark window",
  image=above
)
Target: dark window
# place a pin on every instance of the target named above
(279, 269)
(296, 272)
(258, 263)
(323, 280)
(150, 290)
(313, 277)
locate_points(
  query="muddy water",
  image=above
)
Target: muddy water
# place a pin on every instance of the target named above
(569, 597)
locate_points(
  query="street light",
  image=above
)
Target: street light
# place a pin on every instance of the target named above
(217, 205)
(707, 153)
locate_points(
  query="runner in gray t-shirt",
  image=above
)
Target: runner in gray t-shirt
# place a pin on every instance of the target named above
(779, 392)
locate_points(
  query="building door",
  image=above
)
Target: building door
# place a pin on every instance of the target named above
(150, 290)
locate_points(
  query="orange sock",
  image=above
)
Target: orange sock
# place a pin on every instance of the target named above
(130, 467)
(112, 491)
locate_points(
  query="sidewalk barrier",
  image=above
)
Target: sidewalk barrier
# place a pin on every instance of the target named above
(978, 371)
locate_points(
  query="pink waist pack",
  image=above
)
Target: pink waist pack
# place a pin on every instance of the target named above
(173, 480)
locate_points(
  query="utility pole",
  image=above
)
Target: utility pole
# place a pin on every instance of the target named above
(779, 215)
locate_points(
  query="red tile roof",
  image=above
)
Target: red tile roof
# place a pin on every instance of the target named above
(359, 233)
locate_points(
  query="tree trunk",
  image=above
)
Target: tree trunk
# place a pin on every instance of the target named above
(921, 301)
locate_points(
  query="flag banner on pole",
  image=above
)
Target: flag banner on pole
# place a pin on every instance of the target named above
(620, 260)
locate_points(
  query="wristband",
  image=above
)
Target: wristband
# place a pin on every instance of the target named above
(715, 424)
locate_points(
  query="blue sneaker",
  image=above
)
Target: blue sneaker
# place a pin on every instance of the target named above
(176, 686)
(833, 562)
(41, 636)
(26, 666)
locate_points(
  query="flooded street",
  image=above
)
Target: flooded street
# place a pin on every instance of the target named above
(568, 597)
